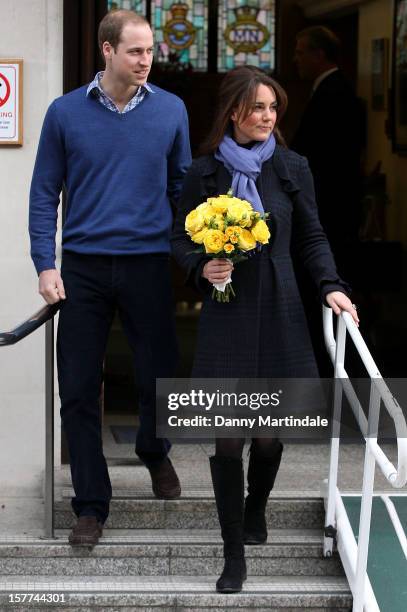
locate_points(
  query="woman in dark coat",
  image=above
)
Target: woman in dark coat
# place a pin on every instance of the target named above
(262, 332)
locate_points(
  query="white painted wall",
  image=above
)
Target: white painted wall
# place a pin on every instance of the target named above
(31, 31)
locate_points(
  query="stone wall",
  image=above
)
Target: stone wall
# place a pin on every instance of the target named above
(31, 31)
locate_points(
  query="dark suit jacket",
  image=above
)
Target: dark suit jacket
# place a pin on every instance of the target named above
(330, 136)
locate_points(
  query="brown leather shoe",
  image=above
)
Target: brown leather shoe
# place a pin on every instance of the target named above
(86, 532)
(164, 480)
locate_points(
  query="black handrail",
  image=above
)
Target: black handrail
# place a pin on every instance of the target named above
(30, 325)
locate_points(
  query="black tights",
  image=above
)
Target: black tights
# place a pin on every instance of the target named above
(233, 447)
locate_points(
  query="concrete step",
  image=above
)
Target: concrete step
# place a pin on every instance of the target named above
(195, 513)
(158, 553)
(192, 594)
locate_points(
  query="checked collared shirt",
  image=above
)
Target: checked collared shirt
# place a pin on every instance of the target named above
(96, 90)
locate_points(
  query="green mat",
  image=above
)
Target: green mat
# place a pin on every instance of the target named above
(400, 504)
(386, 565)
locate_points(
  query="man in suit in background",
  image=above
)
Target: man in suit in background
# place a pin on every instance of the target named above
(330, 135)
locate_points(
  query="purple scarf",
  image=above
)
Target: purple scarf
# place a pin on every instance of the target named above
(245, 166)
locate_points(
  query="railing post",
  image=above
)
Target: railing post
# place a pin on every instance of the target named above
(366, 502)
(355, 556)
(49, 429)
(335, 439)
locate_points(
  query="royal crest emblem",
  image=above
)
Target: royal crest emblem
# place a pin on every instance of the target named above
(246, 34)
(179, 33)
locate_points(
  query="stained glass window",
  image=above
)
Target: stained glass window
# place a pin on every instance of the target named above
(181, 31)
(139, 6)
(246, 33)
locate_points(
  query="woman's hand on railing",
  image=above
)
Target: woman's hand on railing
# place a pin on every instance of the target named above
(51, 286)
(338, 301)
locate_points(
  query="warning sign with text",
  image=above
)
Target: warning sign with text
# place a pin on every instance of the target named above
(10, 102)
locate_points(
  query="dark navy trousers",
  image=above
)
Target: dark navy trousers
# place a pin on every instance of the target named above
(139, 287)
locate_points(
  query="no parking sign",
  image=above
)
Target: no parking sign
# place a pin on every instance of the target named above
(11, 122)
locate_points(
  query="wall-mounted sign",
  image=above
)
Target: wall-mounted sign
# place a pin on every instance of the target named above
(11, 102)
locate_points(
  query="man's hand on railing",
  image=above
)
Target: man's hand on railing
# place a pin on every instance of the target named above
(338, 301)
(51, 286)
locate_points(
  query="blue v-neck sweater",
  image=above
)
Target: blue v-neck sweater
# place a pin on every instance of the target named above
(119, 171)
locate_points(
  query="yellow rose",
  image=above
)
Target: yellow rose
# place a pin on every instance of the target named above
(239, 213)
(261, 232)
(243, 203)
(214, 241)
(232, 233)
(218, 221)
(247, 205)
(219, 204)
(211, 218)
(228, 248)
(246, 240)
(233, 230)
(198, 237)
(194, 221)
(203, 206)
(206, 211)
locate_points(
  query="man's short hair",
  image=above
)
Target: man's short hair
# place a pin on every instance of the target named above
(322, 38)
(112, 24)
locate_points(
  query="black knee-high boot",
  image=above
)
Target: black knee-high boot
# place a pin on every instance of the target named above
(228, 485)
(261, 475)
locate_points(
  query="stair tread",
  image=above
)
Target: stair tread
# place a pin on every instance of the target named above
(173, 584)
(190, 493)
(169, 537)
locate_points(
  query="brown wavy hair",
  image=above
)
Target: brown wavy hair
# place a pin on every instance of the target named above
(238, 91)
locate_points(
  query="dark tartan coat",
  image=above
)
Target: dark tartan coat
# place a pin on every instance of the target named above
(263, 331)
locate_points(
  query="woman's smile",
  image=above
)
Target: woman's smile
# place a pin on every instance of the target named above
(264, 109)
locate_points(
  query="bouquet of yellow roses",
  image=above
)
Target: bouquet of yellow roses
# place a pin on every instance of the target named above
(226, 227)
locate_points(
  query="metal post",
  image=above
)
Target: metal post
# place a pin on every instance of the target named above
(366, 503)
(335, 439)
(49, 429)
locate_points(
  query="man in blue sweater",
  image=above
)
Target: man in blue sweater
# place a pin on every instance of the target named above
(121, 148)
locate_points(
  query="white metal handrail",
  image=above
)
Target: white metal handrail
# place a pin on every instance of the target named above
(356, 560)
